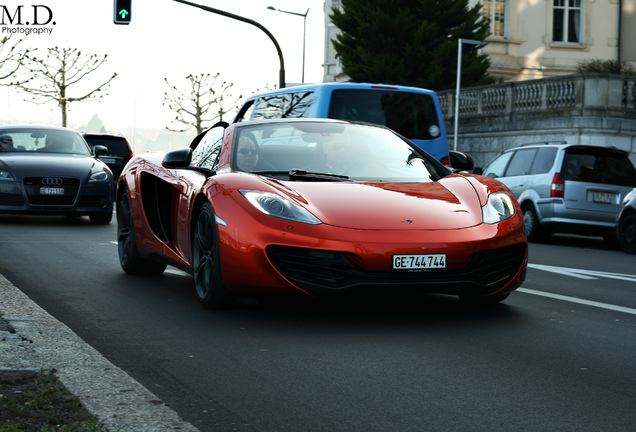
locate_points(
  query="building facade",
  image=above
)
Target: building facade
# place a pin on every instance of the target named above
(533, 39)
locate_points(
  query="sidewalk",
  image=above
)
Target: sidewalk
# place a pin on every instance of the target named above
(30, 338)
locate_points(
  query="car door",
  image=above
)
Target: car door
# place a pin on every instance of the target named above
(518, 170)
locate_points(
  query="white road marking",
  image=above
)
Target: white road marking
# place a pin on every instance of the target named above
(583, 274)
(579, 301)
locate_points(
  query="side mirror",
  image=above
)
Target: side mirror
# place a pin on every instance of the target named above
(478, 170)
(461, 161)
(177, 158)
(100, 150)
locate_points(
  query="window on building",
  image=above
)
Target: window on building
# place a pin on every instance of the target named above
(567, 21)
(495, 14)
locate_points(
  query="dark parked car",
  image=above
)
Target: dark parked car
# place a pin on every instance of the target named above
(119, 150)
(626, 224)
(565, 187)
(50, 170)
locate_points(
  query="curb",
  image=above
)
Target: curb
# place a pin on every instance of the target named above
(32, 339)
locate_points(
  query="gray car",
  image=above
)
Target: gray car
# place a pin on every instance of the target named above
(565, 187)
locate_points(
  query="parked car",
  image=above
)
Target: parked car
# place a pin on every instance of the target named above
(264, 207)
(565, 187)
(119, 150)
(47, 170)
(626, 224)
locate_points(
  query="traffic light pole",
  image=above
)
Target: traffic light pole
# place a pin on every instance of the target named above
(249, 21)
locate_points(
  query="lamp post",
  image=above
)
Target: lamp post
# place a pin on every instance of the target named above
(304, 31)
(281, 73)
(459, 78)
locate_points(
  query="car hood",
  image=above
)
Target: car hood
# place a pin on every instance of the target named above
(48, 165)
(449, 203)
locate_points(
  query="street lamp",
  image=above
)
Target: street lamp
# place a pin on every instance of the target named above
(304, 30)
(281, 73)
(459, 78)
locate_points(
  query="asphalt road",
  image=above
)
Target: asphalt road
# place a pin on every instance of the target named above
(558, 355)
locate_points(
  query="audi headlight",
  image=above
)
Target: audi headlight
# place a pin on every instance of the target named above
(498, 208)
(99, 176)
(6, 175)
(279, 207)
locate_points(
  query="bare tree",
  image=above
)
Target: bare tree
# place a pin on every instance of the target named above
(10, 59)
(194, 106)
(59, 71)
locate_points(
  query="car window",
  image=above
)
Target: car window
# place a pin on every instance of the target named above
(44, 141)
(358, 152)
(288, 105)
(544, 160)
(521, 162)
(206, 153)
(598, 165)
(497, 167)
(413, 115)
(116, 146)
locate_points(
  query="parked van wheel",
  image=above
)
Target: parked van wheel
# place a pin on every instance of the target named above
(534, 231)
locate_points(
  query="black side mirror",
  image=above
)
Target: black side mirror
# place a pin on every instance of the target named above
(478, 170)
(100, 150)
(461, 161)
(177, 158)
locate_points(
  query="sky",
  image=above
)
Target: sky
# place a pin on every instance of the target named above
(165, 39)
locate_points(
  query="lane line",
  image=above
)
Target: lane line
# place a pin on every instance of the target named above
(579, 301)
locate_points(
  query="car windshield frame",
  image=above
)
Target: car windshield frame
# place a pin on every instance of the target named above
(39, 141)
(331, 151)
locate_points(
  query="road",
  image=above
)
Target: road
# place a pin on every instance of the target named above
(558, 355)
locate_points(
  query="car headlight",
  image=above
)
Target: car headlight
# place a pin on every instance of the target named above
(498, 208)
(279, 207)
(99, 176)
(6, 175)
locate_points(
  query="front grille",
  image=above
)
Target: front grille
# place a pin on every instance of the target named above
(34, 185)
(318, 271)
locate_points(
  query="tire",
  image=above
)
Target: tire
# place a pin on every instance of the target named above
(206, 262)
(129, 259)
(534, 230)
(102, 218)
(627, 233)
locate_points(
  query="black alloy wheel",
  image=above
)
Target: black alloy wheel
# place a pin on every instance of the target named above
(206, 262)
(129, 258)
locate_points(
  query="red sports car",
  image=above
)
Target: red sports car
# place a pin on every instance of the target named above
(318, 206)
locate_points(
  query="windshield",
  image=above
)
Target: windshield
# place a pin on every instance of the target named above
(322, 151)
(32, 140)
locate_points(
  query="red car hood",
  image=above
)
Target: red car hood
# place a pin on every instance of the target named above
(450, 203)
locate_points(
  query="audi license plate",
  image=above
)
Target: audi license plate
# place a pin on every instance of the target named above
(51, 191)
(419, 262)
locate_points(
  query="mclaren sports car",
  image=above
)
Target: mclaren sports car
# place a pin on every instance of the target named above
(318, 207)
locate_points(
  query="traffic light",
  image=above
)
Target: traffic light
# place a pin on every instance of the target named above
(123, 11)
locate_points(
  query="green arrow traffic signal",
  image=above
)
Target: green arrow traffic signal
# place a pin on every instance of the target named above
(123, 11)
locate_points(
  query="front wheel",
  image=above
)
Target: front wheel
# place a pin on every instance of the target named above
(206, 262)
(129, 258)
(627, 233)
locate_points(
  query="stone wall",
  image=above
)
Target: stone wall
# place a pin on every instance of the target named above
(595, 109)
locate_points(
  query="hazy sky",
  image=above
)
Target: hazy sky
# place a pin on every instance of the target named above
(170, 40)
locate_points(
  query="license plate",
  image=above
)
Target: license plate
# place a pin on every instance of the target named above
(107, 160)
(51, 191)
(419, 262)
(602, 197)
